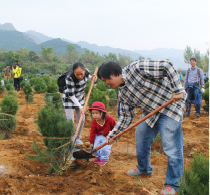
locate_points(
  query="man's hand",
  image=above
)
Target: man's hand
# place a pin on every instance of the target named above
(177, 97)
(109, 141)
(202, 90)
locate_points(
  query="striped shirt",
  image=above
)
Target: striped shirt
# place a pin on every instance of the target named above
(74, 89)
(148, 85)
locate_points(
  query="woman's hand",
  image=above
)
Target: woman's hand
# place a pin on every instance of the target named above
(95, 79)
(82, 111)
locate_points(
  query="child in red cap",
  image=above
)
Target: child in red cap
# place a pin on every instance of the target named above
(100, 127)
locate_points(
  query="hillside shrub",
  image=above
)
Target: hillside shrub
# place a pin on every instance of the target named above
(29, 95)
(9, 107)
(196, 178)
(97, 95)
(40, 86)
(57, 131)
(52, 95)
(205, 96)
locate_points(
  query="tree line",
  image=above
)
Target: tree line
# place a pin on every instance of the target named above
(53, 63)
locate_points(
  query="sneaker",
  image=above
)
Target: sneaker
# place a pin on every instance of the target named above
(169, 190)
(78, 142)
(197, 115)
(136, 172)
(102, 162)
(96, 160)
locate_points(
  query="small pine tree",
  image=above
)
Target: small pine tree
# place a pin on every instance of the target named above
(29, 95)
(205, 96)
(57, 131)
(196, 178)
(40, 86)
(52, 94)
(97, 95)
(9, 107)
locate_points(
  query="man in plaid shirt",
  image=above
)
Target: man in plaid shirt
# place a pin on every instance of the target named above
(148, 85)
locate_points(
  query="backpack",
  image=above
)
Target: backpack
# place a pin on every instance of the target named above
(198, 72)
(62, 82)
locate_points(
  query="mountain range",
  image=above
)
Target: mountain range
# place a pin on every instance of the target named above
(11, 39)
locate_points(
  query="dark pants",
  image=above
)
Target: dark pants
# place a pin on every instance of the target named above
(191, 92)
(17, 84)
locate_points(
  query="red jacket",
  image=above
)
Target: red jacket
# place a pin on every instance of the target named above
(96, 129)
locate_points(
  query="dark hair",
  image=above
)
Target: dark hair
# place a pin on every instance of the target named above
(16, 61)
(8, 65)
(74, 67)
(193, 59)
(103, 114)
(109, 68)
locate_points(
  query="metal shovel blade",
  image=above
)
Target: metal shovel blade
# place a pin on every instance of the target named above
(82, 154)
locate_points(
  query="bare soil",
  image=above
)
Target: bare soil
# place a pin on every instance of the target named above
(20, 175)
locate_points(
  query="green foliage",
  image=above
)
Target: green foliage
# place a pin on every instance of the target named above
(196, 179)
(113, 102)
(97, 95)
(7, 125)
(205, 96)
(9, 86)
(40, 86)
(57, 131)
(22, 84)
(29, 95)
(112, 93)
(9, 105)
(2, 89)
(27, 89)
(206, 85)
(101, 85)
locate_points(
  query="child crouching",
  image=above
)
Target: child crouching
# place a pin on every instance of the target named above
(100, 127)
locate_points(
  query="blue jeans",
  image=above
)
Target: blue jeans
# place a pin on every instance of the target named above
(103, 153)
(172, 143)
(191, 93)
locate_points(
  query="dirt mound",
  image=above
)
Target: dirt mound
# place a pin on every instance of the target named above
(19, 175)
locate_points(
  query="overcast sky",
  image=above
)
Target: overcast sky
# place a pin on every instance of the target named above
(131, 24)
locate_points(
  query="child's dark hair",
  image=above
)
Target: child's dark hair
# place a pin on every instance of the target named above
(75, 66)
(103, 114)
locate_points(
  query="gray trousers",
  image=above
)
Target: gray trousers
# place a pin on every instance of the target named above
(70, 116)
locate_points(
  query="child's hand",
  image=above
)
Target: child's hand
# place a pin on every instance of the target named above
(91, 145)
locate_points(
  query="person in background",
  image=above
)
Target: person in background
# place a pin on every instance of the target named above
(193, 81)
(17, 73)
(73, 96)
(101, 125)
(7, 72)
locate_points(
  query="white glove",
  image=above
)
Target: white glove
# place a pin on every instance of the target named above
(202, 90)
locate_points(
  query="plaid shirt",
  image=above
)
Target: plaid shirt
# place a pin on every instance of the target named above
(76, 90)
(148, 85)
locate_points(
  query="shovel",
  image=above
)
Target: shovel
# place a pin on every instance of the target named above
(83, 154)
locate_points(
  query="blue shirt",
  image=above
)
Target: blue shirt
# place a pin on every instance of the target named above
(192, 77)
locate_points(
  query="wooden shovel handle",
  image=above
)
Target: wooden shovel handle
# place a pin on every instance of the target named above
(136, 123)
(86, 101)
